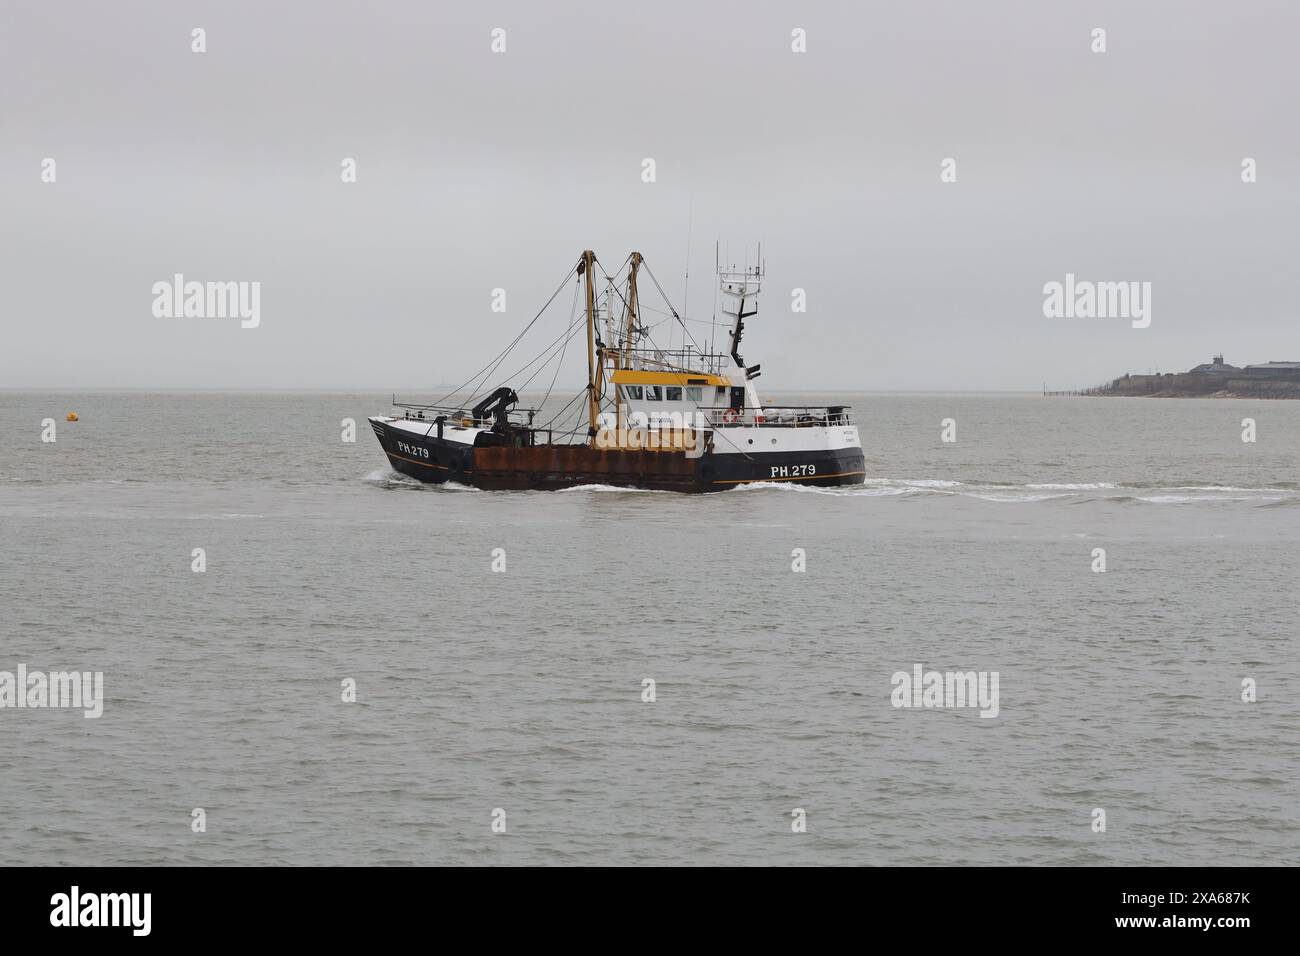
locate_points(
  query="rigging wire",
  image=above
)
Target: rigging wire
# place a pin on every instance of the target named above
(664, 295)
(484, 372)
(716, 431)
(568, 335)
(563, 339)
(560, 364)
(616, 283)
(567, 406)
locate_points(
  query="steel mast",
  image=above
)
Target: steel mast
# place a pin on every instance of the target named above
(594, 376)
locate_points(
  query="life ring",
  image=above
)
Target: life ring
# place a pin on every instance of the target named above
(730, 416)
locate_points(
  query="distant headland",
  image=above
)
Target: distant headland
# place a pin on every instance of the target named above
(1214, 379)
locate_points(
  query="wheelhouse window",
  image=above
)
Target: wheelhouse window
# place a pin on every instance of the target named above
(632, 392)
(653, 393)
(694, 393)
(672, 393)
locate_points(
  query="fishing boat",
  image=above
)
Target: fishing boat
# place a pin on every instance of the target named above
(687, 419)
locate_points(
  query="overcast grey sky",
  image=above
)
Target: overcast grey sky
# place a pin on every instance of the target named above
(479, 170)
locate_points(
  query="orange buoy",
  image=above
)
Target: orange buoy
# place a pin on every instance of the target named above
(72, 416)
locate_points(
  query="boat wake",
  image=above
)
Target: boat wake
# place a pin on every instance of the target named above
(620, 489)
(1068, 492)
(1275, 496)
(396, 481)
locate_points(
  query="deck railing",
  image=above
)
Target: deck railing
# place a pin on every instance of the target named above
(685, 360)
(778, 416)
(460, 415)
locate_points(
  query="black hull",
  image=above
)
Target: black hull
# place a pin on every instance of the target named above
(824, 467)
(552, 467)
(429, 459)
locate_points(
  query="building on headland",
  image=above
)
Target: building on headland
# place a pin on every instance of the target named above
(1216, 367)
(1213, 379)
(1283, 370)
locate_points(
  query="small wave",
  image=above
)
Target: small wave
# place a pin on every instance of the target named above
(1083, 491)
(623, 488)
(915, 482)
(1081, 486)
(858, 491)
(1213, 488)
(1182, 499)
(1014, 498)
(388, 478)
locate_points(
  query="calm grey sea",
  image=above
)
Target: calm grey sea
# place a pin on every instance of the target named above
(523, 690)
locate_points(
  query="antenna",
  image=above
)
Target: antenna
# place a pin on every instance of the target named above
(717, 271)
(686, 285)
